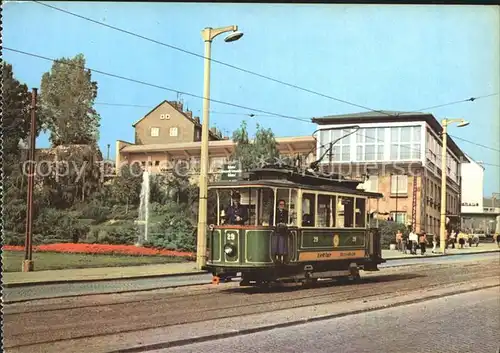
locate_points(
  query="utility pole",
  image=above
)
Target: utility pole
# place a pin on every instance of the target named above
(107, 154)
(208, 34)
(28, 264)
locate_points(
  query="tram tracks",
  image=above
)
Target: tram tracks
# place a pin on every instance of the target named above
(186, 293)
(34, 328)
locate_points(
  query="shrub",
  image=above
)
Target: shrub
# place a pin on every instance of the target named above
(118, 234)
(95, 211)
(388, 231)
(176, 231)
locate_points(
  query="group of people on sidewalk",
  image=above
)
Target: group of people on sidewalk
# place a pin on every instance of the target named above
(412, 241)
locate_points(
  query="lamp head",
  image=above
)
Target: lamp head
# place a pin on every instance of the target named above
(233, 36)
(463, 123)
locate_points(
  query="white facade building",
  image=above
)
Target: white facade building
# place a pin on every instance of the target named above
(472, 187)
(401, 153)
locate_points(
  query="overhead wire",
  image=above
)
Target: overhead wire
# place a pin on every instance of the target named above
(155, 85)
(211, 59)
(249, 71)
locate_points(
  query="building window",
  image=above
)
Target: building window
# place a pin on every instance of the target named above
(370, 144)
(155, 131)
(173, 131)
(399, 217)
(405, 143)
(399, 185)
(341, 151)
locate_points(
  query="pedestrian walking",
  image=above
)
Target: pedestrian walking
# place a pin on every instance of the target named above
(469, 240)
(399, 240)
(434, 243)
(404, 241)
(453, 238)
(461, 239)
(497, 238)
(413, 243)
(475, 240)
(423, 242)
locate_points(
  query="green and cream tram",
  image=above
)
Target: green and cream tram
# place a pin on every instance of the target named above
(294, 228)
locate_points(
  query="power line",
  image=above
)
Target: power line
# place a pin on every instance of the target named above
(213, 60)
(156, 86)
(185, 93)
(471, 99)
(211, 111)
(475, 143)
(248, 71)
(245, 70)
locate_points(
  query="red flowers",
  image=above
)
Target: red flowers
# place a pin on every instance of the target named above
(104, 249)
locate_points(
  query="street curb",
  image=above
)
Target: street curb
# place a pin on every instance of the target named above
(69, 281)
(125, 291)
(235, 333)
(442, 255)
(75, 281)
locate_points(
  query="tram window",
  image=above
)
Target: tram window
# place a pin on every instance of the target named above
(345, 212)
(308, 210)
(288, 197)
(225, 202)
(248, 201)
(265, 205)
(360, 212)
(325, 206)
(212, 207)
(235, 206)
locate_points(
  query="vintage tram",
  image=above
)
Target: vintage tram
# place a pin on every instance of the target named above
(274, 225)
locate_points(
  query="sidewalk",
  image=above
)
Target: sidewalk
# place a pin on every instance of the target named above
(14, 279)
(483, 247)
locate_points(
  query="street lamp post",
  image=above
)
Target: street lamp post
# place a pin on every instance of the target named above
(442, 230)
(208, 34)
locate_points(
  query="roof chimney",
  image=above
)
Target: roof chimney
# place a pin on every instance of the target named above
(189, 114)
(197, 119)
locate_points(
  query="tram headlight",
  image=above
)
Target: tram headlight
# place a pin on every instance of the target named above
(230, 250)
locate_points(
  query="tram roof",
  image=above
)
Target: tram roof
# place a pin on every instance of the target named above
(283, 183)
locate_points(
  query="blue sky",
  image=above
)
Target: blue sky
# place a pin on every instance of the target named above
(379, 56)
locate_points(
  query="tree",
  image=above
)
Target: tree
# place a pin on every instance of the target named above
(67, 97)
(126, 187)
(16, 127)
(263, 148)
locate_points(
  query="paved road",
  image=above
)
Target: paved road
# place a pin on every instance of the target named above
(114, 286)
(458, 324)
(94, 323)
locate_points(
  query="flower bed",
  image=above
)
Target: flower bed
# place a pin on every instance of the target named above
(103, 249)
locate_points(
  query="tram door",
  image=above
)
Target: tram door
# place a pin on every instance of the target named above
(283, 217)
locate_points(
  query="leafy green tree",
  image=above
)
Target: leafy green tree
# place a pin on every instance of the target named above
(16, 128)
(126, 187)
(67, 96)
(251, 154)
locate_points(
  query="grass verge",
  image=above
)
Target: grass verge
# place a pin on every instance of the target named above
(12, 260)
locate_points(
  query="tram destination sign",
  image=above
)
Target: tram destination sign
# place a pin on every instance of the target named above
(231, 171)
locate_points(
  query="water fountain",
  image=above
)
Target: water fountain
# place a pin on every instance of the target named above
(143, 220)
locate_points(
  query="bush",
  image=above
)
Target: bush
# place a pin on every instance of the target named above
(176, 231)
(12, 238)
(123, 213)
(118, 234)
(95, 211)
(388, 232)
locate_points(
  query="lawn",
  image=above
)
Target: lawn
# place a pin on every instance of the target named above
(12, 260)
